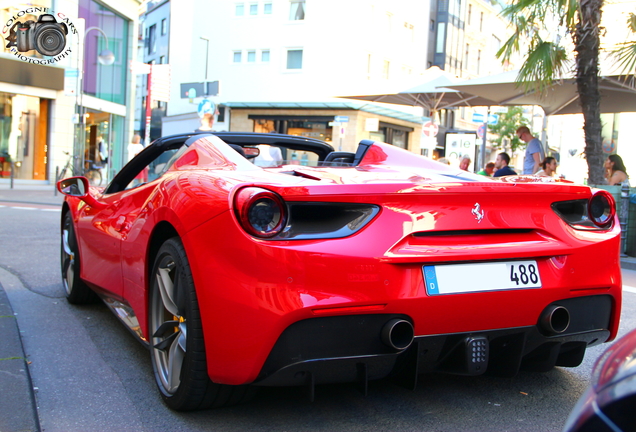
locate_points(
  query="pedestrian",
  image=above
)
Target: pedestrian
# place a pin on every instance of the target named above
(206, 123)
(548, 167)
(464, 162)
(488, 170)
(534, 151)
(615, 171)
(135, 147)
(501, 163)
(102, 151)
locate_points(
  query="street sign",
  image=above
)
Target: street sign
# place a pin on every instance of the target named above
(160, 82)
(480, 118)
(460, 144)
(212, 88)
(341, 119)
(192, 90)
(430, 129)
(206, 106)
(481, 131)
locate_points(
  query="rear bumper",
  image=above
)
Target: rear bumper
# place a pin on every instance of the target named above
(349, 348)
(253, 291)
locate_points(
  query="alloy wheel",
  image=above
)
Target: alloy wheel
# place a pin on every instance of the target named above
(169, 326)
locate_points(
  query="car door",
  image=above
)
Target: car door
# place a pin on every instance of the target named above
(99, 238)
(102, 230)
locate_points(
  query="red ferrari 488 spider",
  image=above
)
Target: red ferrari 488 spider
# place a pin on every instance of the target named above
(245, 260)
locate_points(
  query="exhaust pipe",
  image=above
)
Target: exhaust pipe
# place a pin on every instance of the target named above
(554, 319)
(398, 334)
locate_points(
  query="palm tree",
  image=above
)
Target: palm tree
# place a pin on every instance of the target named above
(560, 20)
(626, 51)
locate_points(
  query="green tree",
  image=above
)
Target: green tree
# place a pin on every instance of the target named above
(626, 51)
(506, 129)
(547, 60)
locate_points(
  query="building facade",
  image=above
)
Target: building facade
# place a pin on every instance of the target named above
(54, 108)
(295, 56)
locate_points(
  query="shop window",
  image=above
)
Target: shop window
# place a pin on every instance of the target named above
(297, 10)
(295, 59)
(310, 126)
(393, 134)
(107, 82)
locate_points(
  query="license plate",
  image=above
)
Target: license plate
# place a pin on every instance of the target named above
(466, 278)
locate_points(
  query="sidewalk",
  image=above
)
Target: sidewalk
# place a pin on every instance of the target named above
(17, 404)
(30, 194)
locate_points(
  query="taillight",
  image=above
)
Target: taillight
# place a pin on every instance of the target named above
(261, 212)
(601, 209)
(594, 213)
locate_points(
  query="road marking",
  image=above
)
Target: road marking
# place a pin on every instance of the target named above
(630, 289)
(42, 207)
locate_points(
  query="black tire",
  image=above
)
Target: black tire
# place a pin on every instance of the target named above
(77, 292)
(177, 346)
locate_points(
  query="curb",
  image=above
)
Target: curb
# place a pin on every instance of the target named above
(628, 263)
(17, 406)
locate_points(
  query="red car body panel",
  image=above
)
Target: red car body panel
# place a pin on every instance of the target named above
(250, 290)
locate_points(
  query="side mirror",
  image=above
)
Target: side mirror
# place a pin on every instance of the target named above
(78, 187)
(73, 186)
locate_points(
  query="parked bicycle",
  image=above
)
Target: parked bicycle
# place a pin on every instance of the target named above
(91, 171)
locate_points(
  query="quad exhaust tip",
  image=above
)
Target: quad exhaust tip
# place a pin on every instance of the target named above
(555, 319)
(398, 334)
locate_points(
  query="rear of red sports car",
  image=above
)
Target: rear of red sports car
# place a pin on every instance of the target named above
(298, 275)
(359, 273)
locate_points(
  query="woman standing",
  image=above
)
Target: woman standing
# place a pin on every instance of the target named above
(615, 171)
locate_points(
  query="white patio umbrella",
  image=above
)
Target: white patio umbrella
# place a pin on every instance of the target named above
(617, 94)
(434, 93)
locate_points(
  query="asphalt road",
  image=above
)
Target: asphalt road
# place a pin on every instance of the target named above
(91, 374)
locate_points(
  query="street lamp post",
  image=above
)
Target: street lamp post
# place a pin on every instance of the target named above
(207, 52)
(106, 57)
